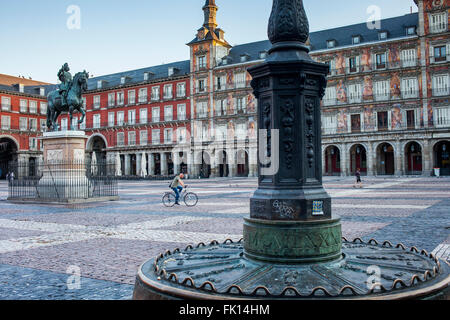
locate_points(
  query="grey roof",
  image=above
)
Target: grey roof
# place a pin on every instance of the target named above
(30, 90)
(396, 28)
(137, 76)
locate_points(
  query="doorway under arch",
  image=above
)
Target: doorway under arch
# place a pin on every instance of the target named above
(385, 159)
(242, 163)
(442, 157)
(8, 156)
(413, 158)
(332, 161)
(358, 159)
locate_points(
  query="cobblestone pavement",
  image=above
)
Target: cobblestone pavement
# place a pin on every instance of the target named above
(43, 248)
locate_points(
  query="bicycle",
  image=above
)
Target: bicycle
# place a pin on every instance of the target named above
(190, 199)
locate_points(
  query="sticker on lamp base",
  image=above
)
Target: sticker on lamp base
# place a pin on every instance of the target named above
(317, 208)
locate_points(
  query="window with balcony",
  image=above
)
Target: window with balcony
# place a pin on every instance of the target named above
(96, 102)
(44, 107)
(239, 80)
(168, 91)
(6, 122)
(440, 85)
(33, 143)
(74, 123)
(409, 88)
(355, 93)
(168, 113)
(6, 104)
(23, 106)
(411, 119)
(120, 118)
(143, 95)
(181, 89)
(43, 125)
(111, 119)
(96, 121)
(221, 107)
(241, 104)
(131, 117)
(64, 124)
(131, 97)
(408, 58)
(33, 124)
(168, 137)
(353, 64)
(111, 99)
(143, 137)
(201, 86)
(380, 61)
(23, 124)
(329, 124)
(202, 109)
(382, 120)
(155, 114)
(438, 22)
(156, 137)
(221, 82)
(181, 112)
(120, 138)
(131, 138)
(120, 98)
(181, 135)
(442, 117)
(33, 106)
(155, 93)
(440, 53)
(356, 123)
(382, 90)
(201, 62)
(143, 116)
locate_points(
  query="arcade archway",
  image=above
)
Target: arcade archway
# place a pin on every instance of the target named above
(442, 157)
(413, 158)
(205, 164)
(332, 161)
(8, 156)
(358, 159)
(385, 159)
(242, 163)
(223, 164)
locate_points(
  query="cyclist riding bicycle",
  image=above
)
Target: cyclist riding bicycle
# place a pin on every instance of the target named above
(177, 186)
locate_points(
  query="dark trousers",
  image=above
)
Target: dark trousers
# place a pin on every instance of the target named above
(177, 191)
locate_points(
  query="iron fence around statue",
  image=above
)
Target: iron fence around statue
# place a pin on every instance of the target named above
(62, 181)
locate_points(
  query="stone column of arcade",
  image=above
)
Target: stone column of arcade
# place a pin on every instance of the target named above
(292, 246)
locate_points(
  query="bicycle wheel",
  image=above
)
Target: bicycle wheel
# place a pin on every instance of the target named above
(190, 199)
(168, 199)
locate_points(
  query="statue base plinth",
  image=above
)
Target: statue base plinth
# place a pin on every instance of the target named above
(364, 271)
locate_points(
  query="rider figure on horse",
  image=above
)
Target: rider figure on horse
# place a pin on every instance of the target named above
(66, 82)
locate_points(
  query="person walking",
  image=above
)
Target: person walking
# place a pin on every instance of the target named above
(358, 179)
(11, 177)
(177, 186)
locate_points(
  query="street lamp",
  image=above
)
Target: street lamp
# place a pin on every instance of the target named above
(292, 246)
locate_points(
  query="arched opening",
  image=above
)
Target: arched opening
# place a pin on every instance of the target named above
(358, 159)
(8, 156)
(442, 157)
(97, 144)
(170, 165)
(223, 164)
(332, 161)
(32, 168)
(205, 167)
(157, 164)
(413, 158)
(242, 163)
(385, 159)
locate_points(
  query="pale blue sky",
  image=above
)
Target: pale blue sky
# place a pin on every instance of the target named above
(119, 35)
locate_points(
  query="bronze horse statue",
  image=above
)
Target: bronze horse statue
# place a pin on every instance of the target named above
(74, 101)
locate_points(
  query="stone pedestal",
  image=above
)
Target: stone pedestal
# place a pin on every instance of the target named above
(64, 171)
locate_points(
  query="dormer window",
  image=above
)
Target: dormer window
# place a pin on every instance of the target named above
(21, 88)
(263, 54)
(225, 61)
(410, 31)
(244, 57)
(123, 80)
(99, 84)
(146, 76)
(356, 39)
(172, 71)
(331, 44)
(42, 91)
(382, 35)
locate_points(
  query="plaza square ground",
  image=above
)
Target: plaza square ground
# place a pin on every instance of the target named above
(40, 245)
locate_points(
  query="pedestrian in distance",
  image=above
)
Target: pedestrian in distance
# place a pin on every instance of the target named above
(358, 183)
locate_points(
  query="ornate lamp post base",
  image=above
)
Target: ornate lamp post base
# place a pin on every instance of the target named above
(223, 271)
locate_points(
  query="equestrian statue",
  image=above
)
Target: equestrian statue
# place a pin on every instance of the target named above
(68, 97)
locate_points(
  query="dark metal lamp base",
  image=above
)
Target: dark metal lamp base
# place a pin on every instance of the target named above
(369, 271)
